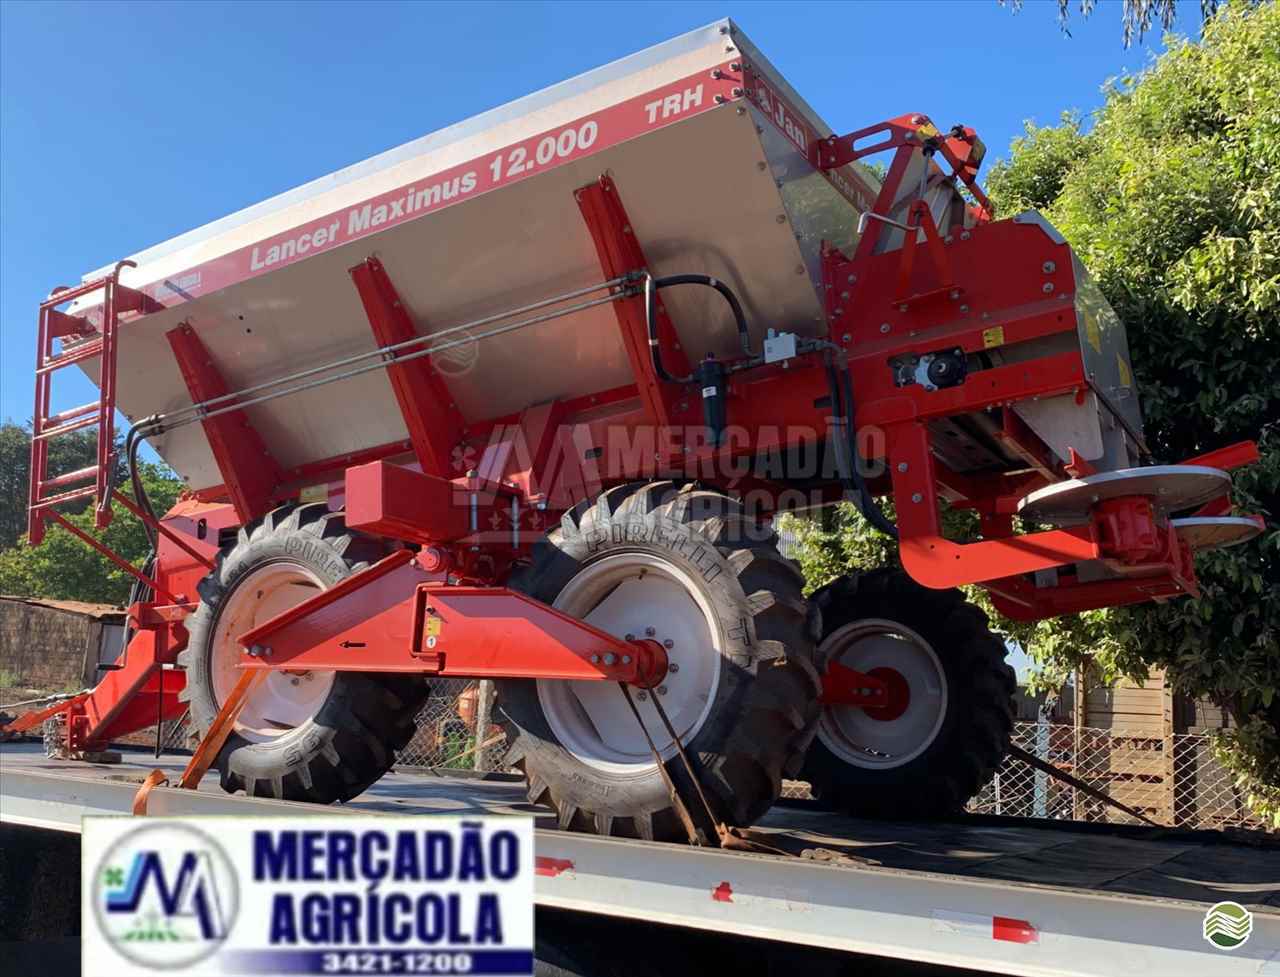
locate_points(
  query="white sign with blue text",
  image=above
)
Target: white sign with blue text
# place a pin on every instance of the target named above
(316, 895)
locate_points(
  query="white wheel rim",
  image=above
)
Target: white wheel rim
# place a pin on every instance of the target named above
(854, 735)
(283, 700)
(628, 594)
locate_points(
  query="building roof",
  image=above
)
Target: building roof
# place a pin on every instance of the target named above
(95, 611)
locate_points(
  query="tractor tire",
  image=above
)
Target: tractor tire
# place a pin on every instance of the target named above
(927, 761)
(684, 566)
(313, 736)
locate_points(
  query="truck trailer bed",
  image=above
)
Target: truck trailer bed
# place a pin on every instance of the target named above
(1001, 895)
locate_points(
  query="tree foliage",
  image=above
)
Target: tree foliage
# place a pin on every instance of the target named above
(68, 453)
(1137, 16)
(63, 567)
(1172, 200)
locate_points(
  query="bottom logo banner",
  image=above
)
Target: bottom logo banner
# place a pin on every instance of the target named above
(317, 895)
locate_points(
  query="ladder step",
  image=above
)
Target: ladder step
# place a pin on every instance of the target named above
(87, 351)
(65, 293)
(70, 478)
(53, 500)
(67, 428)
(61, 324)
(71, 415)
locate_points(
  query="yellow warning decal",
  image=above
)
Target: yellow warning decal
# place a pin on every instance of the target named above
(1126, 378)
(433, 627)
(993, 337)
(314, 493)
(1092, 331)
(927, 130)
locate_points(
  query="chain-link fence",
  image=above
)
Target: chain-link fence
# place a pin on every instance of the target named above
(1174, 780)
(456, 730)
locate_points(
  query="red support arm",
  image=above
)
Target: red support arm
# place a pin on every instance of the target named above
(620, 253)
(1232, 456)
(111, 555)
(248, 470)
(164, 531)
(960, 147)
(390, 618)
(937, 562)
(434, 422)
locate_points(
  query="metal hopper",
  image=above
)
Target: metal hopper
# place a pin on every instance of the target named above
(480, 218)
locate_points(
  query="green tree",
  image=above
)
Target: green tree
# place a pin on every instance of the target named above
(68, 453)
(1136, 17)
(64, 568)
(1172, 200)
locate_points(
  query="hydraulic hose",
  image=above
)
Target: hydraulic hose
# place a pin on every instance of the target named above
(140, 592)
(132, 443)
(651, 287)
(842, 407)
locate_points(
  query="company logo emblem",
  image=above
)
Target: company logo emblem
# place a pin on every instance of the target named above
(1227, 925)
(165, 896)
(456, 356)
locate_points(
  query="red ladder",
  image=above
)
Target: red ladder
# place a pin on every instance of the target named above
(80, 340)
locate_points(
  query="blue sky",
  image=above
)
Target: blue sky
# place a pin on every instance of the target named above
(124, 124)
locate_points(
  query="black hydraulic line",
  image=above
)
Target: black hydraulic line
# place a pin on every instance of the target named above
(140, 592)
(651, 287)
(132, 443)
(159, 710)
(651, 325)
(842, 406)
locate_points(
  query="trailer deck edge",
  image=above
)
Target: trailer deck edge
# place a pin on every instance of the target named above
(838, 901)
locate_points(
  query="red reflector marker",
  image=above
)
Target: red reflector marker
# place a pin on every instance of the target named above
(1013, 930)
(545, 865)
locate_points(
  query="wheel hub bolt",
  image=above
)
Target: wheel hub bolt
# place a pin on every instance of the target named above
(662, 690)
(668, 644)
(642, 696)
(673, 667)
(649, 632)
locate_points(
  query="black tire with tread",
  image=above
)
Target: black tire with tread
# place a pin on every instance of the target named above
(767, 699)
(351, 740)
(974, 737)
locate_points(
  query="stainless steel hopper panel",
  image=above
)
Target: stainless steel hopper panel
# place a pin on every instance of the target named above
(715, 188)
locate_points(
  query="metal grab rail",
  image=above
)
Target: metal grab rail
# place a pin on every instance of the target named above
(226, 403)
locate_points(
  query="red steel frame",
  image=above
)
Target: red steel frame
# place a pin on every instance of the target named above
(435, 424)
(442, 609)
(248, 470)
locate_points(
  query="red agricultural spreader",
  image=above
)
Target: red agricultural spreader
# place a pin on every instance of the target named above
(520, 401)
